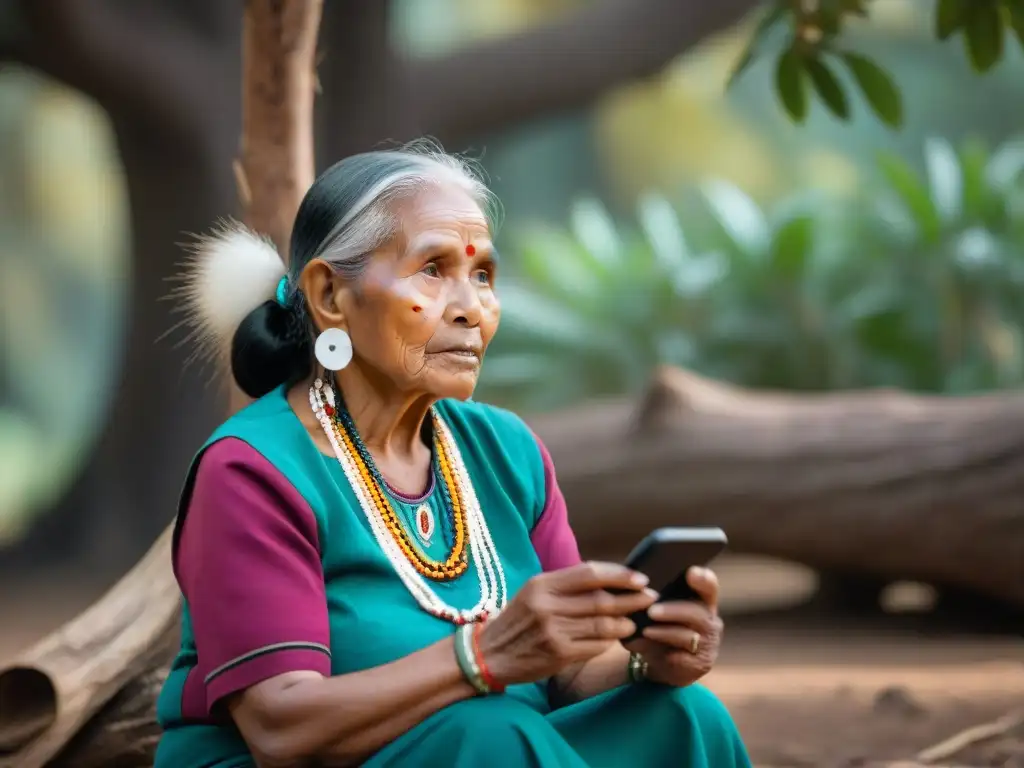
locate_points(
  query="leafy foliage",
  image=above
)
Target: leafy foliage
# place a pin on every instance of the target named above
(919, 283)
(812, 51)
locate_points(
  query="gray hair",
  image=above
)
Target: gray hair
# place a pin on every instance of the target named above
(349, 212)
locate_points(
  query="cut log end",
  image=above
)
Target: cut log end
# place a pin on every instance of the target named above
(28, 706)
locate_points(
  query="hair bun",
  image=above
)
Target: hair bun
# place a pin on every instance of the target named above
(229, 273)
(271, 347)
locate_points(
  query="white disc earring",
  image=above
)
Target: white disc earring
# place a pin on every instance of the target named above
(333, 349)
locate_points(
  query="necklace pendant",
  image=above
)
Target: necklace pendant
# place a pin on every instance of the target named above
(425, 524)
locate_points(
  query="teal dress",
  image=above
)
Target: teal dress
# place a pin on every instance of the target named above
(372, 619)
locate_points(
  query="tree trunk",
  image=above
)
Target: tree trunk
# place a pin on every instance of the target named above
(880, 484)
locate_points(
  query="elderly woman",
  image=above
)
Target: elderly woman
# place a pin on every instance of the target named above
(378, 570)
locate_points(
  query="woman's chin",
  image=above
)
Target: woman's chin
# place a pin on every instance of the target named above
(455, 386)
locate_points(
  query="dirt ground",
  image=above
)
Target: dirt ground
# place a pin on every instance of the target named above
(806, 689)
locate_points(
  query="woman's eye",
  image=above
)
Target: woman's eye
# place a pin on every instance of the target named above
(431, 270)
(482, 276)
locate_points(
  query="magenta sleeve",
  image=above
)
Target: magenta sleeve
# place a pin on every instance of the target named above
(248, 562)
(552, 538)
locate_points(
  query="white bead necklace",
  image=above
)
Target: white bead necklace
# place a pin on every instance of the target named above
(493, 588)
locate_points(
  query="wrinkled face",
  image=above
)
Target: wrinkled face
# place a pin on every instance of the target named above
(423, 312)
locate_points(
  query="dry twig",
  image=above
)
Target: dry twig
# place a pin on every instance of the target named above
(974, 735)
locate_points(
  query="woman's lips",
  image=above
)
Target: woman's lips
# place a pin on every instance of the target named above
(467, 356)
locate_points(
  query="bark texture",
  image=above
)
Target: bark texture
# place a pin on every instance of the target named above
(278, 87)
(879, 484)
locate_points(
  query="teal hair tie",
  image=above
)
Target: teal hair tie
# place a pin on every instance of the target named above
(282, 291)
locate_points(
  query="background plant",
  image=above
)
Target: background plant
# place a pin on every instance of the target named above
(916, 282)
(807, 36)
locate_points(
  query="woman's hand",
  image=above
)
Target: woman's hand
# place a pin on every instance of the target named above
(561, 618)
(682, 646)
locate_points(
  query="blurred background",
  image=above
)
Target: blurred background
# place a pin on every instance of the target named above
(652, 217)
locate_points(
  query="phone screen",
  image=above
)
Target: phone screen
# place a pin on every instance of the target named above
(663, 562)
(666, 555)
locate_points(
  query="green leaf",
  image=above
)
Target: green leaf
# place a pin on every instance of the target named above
(741, 66)
(738, 215)
(878, 88)
(554, 263)
(983, 33)
(769, 20)
(829, 20)
(944, 178)
(526, 312)
(1017, 20)
(905, 183)
(828, 88)
(854, 7)
(661, 226)
(1006, 166)
(699, 274)
(978, 199)
(791, 85)
(949, 17)
(792, 245)
(594, 228)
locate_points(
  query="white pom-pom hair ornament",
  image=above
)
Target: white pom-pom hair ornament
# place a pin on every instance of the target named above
(227, 274)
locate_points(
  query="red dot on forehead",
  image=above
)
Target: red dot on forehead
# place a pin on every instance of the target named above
(470, 249)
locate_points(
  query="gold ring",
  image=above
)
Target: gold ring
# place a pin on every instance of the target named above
(695, 643)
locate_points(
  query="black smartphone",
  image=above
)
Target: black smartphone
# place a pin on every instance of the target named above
(665, 556)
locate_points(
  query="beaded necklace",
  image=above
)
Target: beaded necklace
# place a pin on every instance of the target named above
(468, 527)
(453, 520)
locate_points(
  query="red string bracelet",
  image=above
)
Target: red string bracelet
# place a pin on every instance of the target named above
(485, 673)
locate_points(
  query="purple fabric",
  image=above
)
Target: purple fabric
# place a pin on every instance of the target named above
(248, 563)
(552, 537)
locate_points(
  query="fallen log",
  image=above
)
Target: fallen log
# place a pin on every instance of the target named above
(51, 692)
(882, 483)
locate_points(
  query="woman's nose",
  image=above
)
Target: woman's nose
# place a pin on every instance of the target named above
(464, 307)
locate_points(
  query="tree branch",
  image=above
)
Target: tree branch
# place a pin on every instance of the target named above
(279, 62)
(142, 57)
(560, 66)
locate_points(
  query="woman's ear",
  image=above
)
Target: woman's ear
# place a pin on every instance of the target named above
(324, 290)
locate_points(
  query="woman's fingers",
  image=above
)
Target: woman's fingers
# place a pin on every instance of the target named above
(587, 577)
(604, 616)
(705, 583)
(602, 603)
(674, 636)
(602, 628)
(695, 616)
